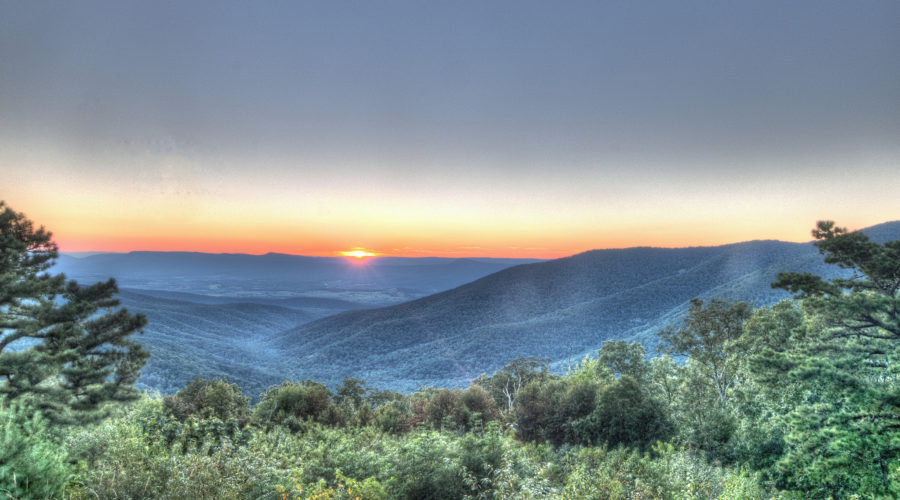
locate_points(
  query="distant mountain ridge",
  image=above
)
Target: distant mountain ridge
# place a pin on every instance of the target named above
(425, 274)
(260, 319)
(563, 309)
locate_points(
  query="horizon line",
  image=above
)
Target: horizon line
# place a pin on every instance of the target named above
(449, 255)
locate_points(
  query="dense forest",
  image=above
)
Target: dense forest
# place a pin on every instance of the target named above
(796, 400)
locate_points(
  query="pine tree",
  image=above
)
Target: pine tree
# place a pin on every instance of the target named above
(841, 364)
(64, 348)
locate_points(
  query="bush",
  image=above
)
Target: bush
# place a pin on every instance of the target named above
(195, 434)
(625, 415)
(119, 458)
(214, 398)
(548, 411)
(479, 407)
(290, 404)
(445, 409)
(621, 473)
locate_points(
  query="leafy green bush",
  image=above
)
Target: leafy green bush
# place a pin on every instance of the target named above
(119, 458)
(478, 408)
(209, 399)
(290, 404)
(625, 415)
(623, 474)
(548, 411)
(194, 434)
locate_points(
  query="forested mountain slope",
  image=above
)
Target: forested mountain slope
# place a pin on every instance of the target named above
(212, 315)
(188, 340)
(562, 309)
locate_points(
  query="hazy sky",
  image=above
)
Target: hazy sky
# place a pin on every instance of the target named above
(447, 127)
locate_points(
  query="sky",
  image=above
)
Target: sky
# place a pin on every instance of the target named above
(450, 128)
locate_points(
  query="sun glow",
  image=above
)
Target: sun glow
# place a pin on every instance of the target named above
(358, 253)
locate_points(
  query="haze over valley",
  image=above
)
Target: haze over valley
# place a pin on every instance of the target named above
(403, 323)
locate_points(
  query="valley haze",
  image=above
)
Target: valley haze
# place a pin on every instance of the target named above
(401, 323)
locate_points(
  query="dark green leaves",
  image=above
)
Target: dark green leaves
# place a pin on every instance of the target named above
(64, 348)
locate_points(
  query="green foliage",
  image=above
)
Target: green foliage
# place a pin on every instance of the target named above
(625, 414)
(504, 384)
(143, 454)
(838, 363)
(622, 358)
(194, 434)
(622, 474)
(350, 398)
(32, 463)
(209, 399)
(63, 347)
(664, 378)
(703, 424)
(708, 336)
(548, 411)
(469, 409)
(393, 417)
(478, 407)
(292, 403)
(120, 459)
(444, 409)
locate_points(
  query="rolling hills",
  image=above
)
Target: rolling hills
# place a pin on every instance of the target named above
(563, 309)
(212, 337)
(213, 315)
(260, 319)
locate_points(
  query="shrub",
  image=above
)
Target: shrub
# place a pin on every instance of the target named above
(479, 407)
(621, 473)
(214, 398)
(290, 404)
(119, 458)
(445, 409)
(625, 415)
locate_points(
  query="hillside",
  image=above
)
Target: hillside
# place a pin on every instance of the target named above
(563, 309)
(188, 340)
(212, 315)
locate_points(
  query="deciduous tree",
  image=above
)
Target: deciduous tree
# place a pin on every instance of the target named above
(708, 336)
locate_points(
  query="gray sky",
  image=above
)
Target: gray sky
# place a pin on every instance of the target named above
(650, 119)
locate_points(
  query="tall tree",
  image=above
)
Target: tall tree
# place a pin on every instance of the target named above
(64, 348)
(709, 336)
(622, 358)
(844, 431)
(504, 385)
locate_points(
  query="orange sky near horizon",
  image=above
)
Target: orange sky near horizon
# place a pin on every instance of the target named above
(71, 240)
(452, 225)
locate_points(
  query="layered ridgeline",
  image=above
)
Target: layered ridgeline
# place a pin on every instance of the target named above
(243, 275)
(214, 315)
(258, 320)
(562, 309)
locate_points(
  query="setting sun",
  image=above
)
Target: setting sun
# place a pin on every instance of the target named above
(358, 253)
